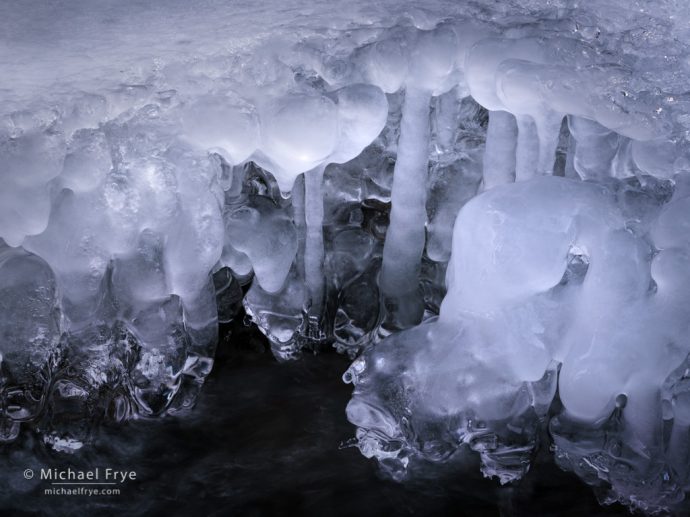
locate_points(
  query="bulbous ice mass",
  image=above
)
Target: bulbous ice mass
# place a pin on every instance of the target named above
(362, 115)
(433, 60)
(386, 63)
(298, 132)
(267, 236)
(222, 123)
(543, 272)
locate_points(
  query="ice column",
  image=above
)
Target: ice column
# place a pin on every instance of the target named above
(433, 66)
(402, 252)
(313, 253)
(499, 153)
(527, 150)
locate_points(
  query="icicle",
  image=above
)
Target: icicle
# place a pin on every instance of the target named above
(527, 152)
(537, 141)
(445, 120)
(499, 154)
(548, 130)
(313, 250)
(405, 239)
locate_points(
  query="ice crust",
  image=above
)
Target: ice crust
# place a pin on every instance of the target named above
(486, 205)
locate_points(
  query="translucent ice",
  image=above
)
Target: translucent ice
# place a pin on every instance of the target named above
(511, 177)
(543, 272)
(223, 123)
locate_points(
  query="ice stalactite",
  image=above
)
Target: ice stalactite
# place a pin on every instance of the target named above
(527, 78)
(527, 148)
(446, 110)
(520, 89)
(299, 133)
(537, 140)
(402, 252)
(433, 70)
(361, 113)
(313, 252)
(512, 148)
(499, 152)
(548, 133)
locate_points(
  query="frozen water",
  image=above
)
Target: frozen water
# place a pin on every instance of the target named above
(544, 272)
(485, 204)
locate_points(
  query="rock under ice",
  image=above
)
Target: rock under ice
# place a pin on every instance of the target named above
(485, 204)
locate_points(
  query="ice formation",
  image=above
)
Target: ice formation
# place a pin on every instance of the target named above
(485, 204)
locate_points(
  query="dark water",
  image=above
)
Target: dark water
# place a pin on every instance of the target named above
(264, 440)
